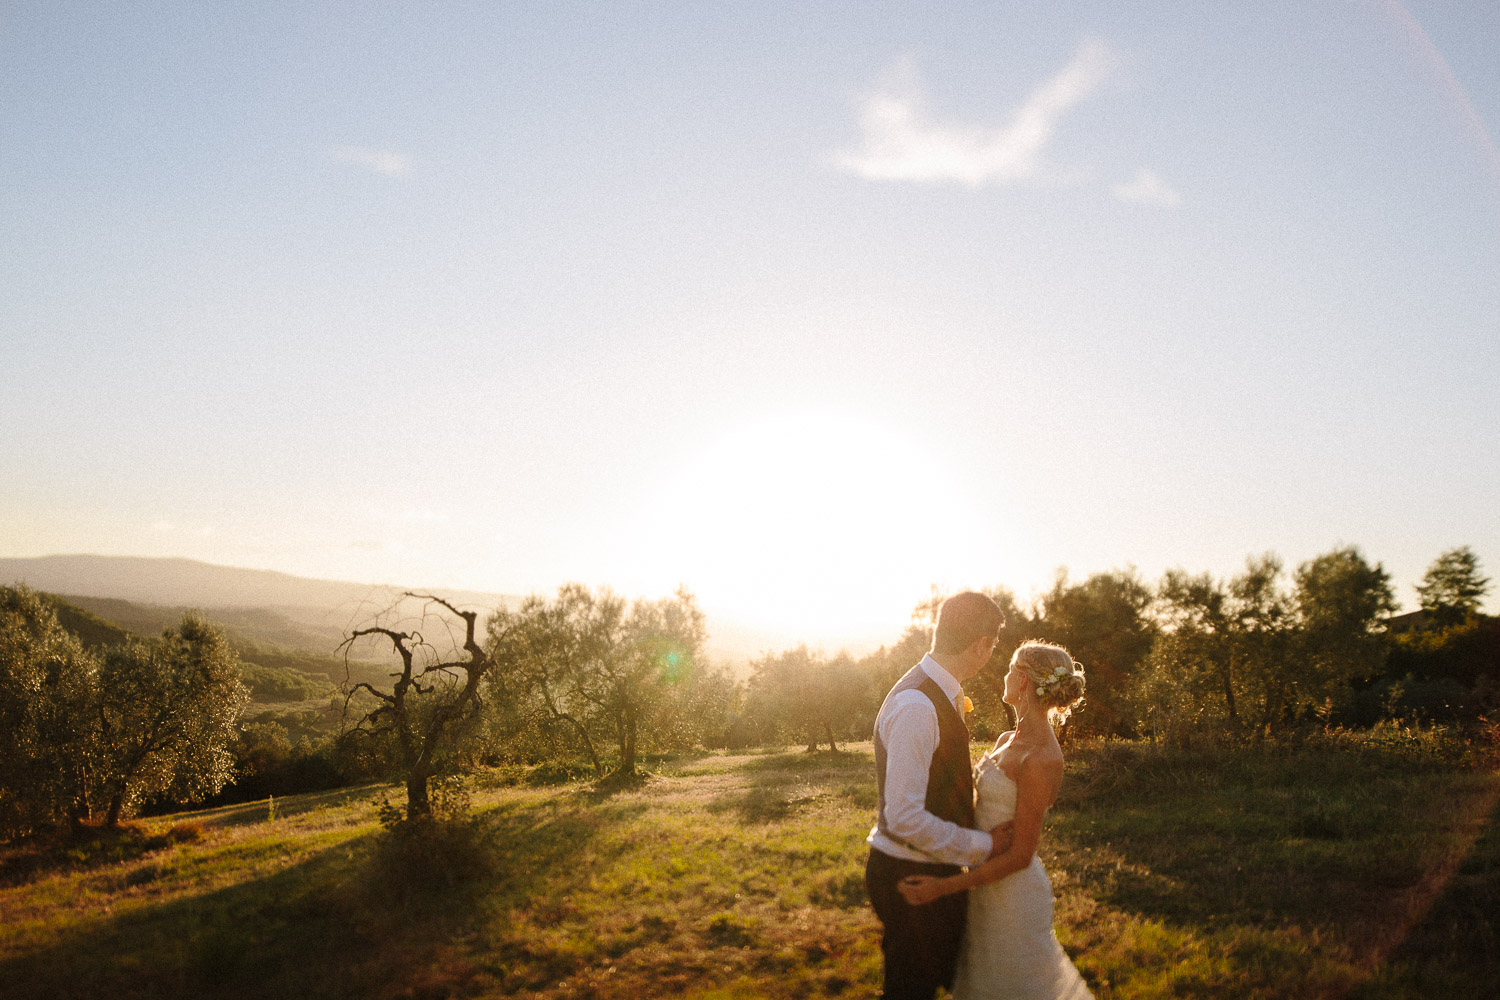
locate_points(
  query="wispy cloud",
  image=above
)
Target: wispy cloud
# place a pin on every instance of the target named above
(902, 141)
(382, 161)
(1147, 188)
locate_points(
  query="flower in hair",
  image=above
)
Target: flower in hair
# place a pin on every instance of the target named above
(1058, 675)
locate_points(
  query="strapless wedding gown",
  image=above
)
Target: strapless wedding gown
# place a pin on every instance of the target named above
(1010, 951)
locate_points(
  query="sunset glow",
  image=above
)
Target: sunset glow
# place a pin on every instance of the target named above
(821, 524)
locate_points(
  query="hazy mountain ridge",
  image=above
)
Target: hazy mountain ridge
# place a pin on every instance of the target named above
(189, 583)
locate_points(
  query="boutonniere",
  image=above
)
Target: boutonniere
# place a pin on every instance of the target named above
(968, 705)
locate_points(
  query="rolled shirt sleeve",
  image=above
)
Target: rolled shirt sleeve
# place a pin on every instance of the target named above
(910, 734)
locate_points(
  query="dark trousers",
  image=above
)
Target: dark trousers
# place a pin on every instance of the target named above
(920, 943)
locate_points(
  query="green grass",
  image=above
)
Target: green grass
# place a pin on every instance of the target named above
(1344, 865)
(1259, 873)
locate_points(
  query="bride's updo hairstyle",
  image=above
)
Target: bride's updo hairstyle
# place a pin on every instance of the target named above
(1056, 678)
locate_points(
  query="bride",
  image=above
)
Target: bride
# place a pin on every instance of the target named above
(1009, 948)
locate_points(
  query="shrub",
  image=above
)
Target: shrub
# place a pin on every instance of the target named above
(188, 832)
(421, 861)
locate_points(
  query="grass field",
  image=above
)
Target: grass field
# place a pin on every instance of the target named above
(1345, 867)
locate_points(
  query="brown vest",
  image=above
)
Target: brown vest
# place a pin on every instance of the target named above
(950, 778)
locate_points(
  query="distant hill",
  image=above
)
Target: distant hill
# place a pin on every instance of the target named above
(189, 583)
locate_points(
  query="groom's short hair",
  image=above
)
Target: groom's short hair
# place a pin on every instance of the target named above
(962, 619)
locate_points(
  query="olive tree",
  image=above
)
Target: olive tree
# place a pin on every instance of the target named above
(603, 669)
(47, 681)
(166, 713)
(544, 650)
(807, 695)
(653, 659)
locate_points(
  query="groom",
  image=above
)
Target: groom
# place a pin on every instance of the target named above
(925, 800)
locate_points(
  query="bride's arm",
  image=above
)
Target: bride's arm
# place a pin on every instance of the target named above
(1037, 782)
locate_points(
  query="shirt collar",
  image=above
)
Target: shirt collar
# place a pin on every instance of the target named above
(950, 684)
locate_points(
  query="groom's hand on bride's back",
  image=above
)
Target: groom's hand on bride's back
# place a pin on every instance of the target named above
(1001, 837)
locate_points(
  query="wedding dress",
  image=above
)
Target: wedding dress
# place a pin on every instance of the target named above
(1010, 951)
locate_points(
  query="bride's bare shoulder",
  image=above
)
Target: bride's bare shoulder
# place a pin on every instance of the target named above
(1045, 759)
(1041, 770)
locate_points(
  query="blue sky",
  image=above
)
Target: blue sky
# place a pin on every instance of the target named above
(807, 306)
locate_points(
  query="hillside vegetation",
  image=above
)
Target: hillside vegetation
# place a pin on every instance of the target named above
(1361, 866)
(94, 631)
(285, 660)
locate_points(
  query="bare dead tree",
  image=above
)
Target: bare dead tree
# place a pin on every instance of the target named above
(424, 732)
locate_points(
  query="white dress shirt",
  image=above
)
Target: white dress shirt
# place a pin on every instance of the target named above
(908, 726)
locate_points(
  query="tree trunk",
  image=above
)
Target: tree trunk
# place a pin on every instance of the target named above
(1227, 675)
(828, 730)
(116, 803)
(418, 804)
(627, 746)
(588, 745)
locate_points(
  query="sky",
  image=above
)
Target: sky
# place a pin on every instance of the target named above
(806, 306)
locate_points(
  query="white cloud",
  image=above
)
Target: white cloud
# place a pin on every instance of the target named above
(902, 142)
(382, 161)
(1147, 188)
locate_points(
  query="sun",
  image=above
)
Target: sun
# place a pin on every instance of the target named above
(819, 525)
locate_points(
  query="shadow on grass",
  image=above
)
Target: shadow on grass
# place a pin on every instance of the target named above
(801, 761)
(88, 847)
(782, 784)
(612, 784)
(256, 812)
(1331, 842)
(29, 860)
(327, 927)
(579, 771)
(1454, 950)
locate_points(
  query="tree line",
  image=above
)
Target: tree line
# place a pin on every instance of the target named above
(586, 682)
(589, 683)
